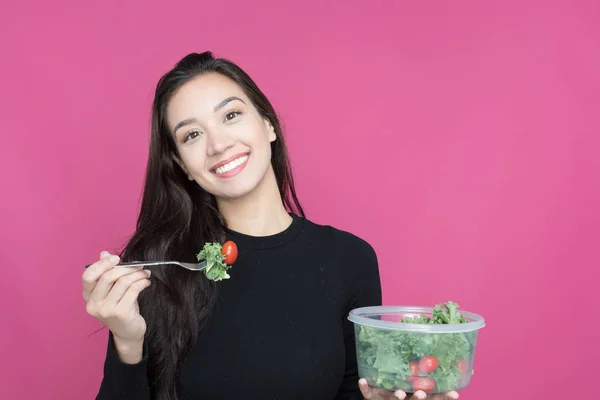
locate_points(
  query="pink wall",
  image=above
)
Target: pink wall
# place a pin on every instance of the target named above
(460, 138)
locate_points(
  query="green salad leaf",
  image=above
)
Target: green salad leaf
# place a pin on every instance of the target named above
(216, 268)
(385, 355)
(442, 314)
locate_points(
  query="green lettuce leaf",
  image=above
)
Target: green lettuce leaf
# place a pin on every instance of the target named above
(216, 269)
(385, 355)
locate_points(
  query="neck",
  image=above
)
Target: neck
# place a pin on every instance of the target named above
(260, 212)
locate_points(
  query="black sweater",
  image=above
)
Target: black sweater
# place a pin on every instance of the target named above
(279, 330)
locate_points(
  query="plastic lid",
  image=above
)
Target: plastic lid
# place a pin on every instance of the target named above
(375, 317)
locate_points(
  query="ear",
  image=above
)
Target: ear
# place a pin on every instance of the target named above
(271, 130)
(180, 163)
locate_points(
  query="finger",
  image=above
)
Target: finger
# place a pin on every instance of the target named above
(444, 396)
(108, 279)
(122, 285)
(365, 389)
(131, 295)
(104, 254)
(400, 394)
(95, 271)
(419, 394)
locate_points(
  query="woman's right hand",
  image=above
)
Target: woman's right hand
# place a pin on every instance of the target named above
(111, 296)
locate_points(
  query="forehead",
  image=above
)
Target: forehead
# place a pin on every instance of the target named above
(198, 97)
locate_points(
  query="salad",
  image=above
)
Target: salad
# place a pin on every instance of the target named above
(410, 361)
(218, 259)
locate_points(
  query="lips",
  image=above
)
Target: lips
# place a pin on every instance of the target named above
(231, 168)
(227, 161)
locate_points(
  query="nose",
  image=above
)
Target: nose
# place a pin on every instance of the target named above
(218, 141)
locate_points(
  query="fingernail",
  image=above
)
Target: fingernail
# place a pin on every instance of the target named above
(114, 259)
(420, 395)
(452, 395)
(104, 253)
(400, 394)
(148, 272)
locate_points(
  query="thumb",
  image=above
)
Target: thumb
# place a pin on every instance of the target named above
(365, 389)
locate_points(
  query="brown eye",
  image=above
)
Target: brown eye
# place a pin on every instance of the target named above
(191, 135)
(231, 115)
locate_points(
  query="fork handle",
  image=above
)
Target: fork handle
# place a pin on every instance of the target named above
(138, 264)
(141, 263)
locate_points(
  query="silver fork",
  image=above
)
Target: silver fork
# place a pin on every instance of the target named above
(191, 266)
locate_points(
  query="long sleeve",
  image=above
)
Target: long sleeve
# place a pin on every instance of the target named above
(123, 381)
(361, 262)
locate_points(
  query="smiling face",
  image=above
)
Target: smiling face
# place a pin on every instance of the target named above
(224, 144)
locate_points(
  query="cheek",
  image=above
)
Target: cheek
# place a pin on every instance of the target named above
(266, 137)
(255, 138)
(264, 151)
(194, 161)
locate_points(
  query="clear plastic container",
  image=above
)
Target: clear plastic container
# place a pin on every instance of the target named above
(395, 355)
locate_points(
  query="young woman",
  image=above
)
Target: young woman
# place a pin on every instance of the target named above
(218, 170)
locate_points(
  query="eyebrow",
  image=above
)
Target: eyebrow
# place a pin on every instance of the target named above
(184, 123)
(224, 103)
(215, 109)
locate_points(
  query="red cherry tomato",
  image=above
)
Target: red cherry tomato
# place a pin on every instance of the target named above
(230, 251)
(462, 366)
(414, 368)
(428, 364)
(424, 384)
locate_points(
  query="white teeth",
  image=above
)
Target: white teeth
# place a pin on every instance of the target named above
(231, 165)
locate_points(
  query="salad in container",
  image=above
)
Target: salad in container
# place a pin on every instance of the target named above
(416, 348)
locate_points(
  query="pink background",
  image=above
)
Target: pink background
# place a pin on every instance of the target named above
(461, 139)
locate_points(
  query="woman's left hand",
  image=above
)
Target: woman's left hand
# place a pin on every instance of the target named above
(383, 394)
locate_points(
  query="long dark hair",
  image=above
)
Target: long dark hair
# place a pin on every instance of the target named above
(177, 217)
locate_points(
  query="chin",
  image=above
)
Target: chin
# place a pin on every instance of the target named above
(233, 195)
(240, 186)
(235, 192)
